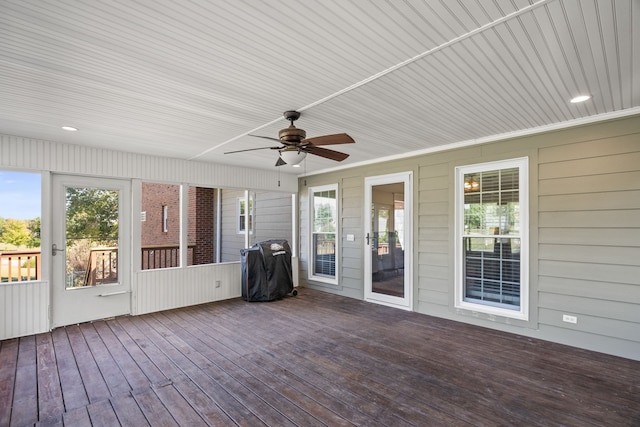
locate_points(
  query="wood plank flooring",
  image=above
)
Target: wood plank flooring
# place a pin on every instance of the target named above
(312, 360)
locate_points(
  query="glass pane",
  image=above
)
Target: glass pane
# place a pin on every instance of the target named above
(509, 179)
(20, 194)
(490, 181)
(324, 210)
(494, 212)
(91, 236)
(160, 228)
(242, 214)
(324, 254)
(492, 276)
(387, 254)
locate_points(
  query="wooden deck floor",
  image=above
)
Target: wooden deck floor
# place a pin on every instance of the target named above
(314, 359)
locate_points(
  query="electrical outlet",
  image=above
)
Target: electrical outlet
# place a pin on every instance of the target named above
(217, 283)
(569, 319)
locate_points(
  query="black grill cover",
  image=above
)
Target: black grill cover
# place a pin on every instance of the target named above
(266, 271)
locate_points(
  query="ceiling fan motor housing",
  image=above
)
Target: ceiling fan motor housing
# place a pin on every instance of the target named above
(292, 135)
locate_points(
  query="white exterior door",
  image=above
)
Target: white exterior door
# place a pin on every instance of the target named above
(91, 250)
(388, 245)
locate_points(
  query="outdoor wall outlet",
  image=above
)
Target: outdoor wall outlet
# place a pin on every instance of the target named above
(217, 283)
(569, 319)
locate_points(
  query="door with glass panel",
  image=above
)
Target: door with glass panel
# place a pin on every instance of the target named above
(388, 240)
(91, 249)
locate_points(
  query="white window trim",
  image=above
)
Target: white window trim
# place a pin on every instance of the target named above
(248, 215)
(523, 165)
(310, 275)
(165, 218)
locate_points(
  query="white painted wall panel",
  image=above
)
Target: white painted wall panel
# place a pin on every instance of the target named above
(31, 154)
(166, 289)
(24, 309)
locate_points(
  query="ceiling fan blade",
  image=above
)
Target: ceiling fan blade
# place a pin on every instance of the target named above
(338, 138)
(326, 153)
(253, 149)
(266, 137)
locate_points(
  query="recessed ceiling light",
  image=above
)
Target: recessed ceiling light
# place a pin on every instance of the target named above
(580, 98)
(69, 128)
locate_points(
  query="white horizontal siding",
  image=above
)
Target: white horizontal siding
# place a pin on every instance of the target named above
(589, 237)
(433, 236)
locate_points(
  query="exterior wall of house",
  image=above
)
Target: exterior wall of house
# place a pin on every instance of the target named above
(152, 290)
(154, 197)
(271, 220)
(584, 233)
(202, 224)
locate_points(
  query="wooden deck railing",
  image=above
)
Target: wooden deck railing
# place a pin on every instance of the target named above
(17, 266)
(164, 256)
(102, 264)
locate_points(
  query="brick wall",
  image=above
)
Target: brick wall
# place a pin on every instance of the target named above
(205, 225)
(154, 197)
(201, 222)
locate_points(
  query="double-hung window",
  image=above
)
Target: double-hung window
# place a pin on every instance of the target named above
(244, 215)
(492, 238)
(324, 233)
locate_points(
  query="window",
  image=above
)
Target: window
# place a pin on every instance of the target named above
(20, 193)
(243, 215)
(324, 233)
(491, 238)
(165, 219)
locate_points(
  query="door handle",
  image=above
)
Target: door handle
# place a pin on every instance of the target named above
(367, 238)
(54, 249)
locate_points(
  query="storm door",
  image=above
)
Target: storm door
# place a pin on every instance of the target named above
(388, 240)
(91, 249)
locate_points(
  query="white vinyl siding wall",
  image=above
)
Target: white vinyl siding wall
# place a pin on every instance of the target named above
(272, 220)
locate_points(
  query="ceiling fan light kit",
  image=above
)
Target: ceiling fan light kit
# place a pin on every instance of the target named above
(296, 146)
(292, 156)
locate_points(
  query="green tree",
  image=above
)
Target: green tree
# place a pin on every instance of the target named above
(92, 214)
(33, 225)
(15, 232)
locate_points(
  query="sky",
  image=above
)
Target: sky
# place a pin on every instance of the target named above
(20, 195)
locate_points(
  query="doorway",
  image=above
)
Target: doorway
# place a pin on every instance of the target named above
(91, 249)
(388, 231)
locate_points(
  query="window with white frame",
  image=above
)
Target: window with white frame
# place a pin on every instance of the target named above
(492, 238)
(244, 216)
(324, 233)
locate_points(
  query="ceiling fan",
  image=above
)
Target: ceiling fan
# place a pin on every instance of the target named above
(295, 144)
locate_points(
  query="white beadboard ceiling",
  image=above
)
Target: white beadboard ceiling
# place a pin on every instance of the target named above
(191, 79)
